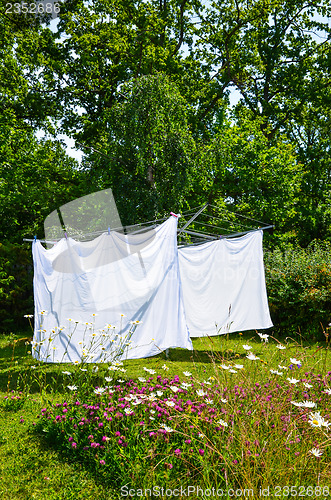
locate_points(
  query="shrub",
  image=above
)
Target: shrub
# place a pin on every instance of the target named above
(299, 286)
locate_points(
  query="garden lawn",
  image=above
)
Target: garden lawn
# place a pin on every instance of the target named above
(240, 412)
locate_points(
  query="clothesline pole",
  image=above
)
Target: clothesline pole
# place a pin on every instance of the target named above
(192, 218)
(245, 232)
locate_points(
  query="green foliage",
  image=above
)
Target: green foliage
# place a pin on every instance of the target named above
(252, 177)
(299, 287)
(16, 294)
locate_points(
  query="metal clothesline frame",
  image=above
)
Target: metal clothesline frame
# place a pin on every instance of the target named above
(181, 230)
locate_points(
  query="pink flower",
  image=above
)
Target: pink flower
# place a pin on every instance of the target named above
(102, 462)
(74, 445)
(177, 452)
(202, 452)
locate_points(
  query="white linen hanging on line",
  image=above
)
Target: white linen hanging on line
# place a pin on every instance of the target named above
(103, 286)
(223, 286)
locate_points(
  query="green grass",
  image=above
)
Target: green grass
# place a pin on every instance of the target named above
(32, 467)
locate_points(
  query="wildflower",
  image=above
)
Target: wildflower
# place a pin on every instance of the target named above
(295, 361)
(72, 387)
(66, 373)
(224, 400)
(108, 379)
(201, 452)
(300, 405)
(168, 466)
(28, 315)
(252, 356)
(201, 393)
(293, 380)
(99, 390)
(171, 404)
(102, 462)
(166, 428)
(317, 453)
(174, 389)
(43, 313)
(263, 336)
(309, 404)
(33, 367)
(280, 346)
(308, 386)
(282, 367)
(275, 372)
(209, 401)
(177, 452)
(128, 411)
(159, 393)
(187, 374)
(316, 420)
(165, 367)
(239, 367)
(225, 367)
(184, 385)
(328, 391)
(247, 347)
(95, 369)
(222, 423)
(232, 370)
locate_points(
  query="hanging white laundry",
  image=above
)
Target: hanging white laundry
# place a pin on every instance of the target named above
(118, 295)
(223, 286)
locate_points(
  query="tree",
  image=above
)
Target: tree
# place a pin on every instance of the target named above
(148, 151)
(275, 53)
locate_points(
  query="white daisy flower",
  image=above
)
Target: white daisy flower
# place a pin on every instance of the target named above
(247, 347)
(328, 391)
(141, 379)
(316, 452)
(171, 404)
(159, 393)
(263, 336)
(225, 367)
(66, 373)
(165, 367)
(222, 423)
(316, 420)
(201, 393)
(108, 379)
(252, 356)
(308, 386)
(295, 361)
(184, 385)
(72, 387)
(293, 380)
(100, 390)
(174, 389)
(239, 367)
(187, 374)
(280, 346)
(166, 428)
